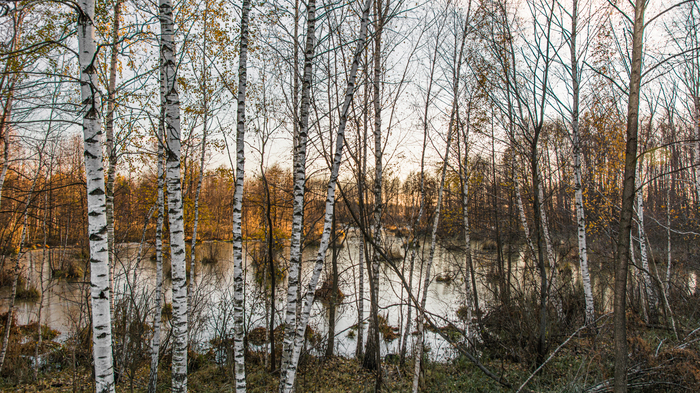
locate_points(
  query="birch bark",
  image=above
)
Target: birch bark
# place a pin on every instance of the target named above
(652, 298)
(200, 178)
(287, 384)
(373, 345)
(578, 186)
(431, 255)
(158, 307)
(238, 300)
(170, 101)
(300, 139)
(109, 147)
(100, 292)
(554, 282)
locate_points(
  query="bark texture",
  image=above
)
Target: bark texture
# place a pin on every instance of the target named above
(238, 300)
(170, 102)
(100, 292)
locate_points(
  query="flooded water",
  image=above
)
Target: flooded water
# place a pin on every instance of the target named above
(64, 302)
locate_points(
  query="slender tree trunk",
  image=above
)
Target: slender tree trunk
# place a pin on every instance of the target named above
(361, 180)
(271, 267)
(554, 282)
(431, 255)
(44, 251)
(359, 353)
(436, 219)
(158, 307)
(110, 148)
(200, 178)
(627, 207)
(289, 373)
(334, 291)
(171, 112)
(544, 287)
(521, 213)
(414, 243)
(373, 343)
(578, 184)
(667, 282)
(652, 298)
(300, 139)
(238, 277)
(696, 127)
(97, 218)
(464, 179)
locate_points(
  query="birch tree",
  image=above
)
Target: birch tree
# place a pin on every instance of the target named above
(299, 171)
(110, 150)
(158, 306)
(170, 111)
(456, 76)
(97, 218)
(289, 373)
(239, 354)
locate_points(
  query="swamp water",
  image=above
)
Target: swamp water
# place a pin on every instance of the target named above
(65, 300)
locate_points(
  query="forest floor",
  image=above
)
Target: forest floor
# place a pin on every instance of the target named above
(658, 362)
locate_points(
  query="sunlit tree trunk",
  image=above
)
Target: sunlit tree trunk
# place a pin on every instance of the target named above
(170, 101)
(97, 218)
(238, 278)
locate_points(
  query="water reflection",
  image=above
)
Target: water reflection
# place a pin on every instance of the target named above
(65, 300)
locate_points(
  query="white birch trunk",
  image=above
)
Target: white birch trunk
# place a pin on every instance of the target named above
(171, 112)
(158, 307)
(360, 306)
(200, 178)
(300, 139)
(652, 300)
(554, 286)
(468, 302)
(238, 278)
(578, 186)
(431, 255)
(373, 335)
(97, 219)
(110, 149)
(521, 213)
(287, 384)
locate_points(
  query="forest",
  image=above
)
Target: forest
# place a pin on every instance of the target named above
(350, 196)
